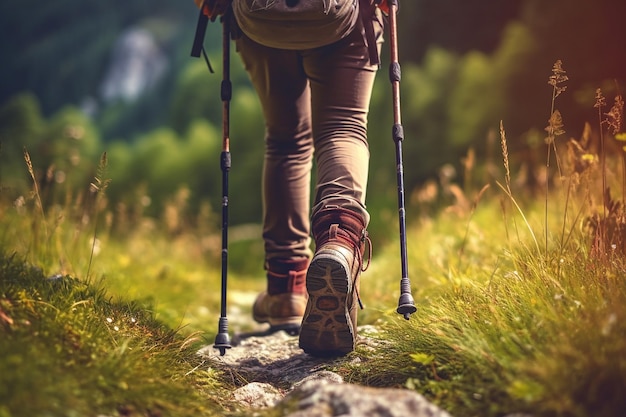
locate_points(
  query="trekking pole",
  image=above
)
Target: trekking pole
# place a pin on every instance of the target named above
(222, 339)
(406, 305)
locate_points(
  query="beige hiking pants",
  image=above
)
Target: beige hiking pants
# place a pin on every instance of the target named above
(315, 103)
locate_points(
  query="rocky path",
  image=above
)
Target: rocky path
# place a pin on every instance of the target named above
(278, 374)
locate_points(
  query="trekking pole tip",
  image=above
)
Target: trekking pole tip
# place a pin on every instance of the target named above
(222, 349)
(406, 305)
(222, 340)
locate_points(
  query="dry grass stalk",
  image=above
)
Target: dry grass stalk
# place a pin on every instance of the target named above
(615, 116)
(99, 186)
(614, 120)
(37, 196)
(555, 122)
(505, 156)
(554, 129)
(31, 171)
(600, 104)
(608, 231)
(507, 187)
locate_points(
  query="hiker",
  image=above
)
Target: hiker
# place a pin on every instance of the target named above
(314, 79)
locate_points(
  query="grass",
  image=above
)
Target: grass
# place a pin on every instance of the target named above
(69, 349)
(92, 324)
(521, 303)
(510, 333)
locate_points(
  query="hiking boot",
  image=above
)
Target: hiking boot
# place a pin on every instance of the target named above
(282, 305)
(332, 281)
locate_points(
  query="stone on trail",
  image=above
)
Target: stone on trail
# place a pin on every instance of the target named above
(257, 395)
(324, 399)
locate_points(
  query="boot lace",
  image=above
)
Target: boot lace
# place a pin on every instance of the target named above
(367, 243)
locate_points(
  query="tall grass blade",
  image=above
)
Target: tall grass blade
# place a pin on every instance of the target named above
(99, 186)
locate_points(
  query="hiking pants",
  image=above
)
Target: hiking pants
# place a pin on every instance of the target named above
(315, 103)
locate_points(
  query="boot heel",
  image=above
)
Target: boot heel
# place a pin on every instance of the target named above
(326, 328)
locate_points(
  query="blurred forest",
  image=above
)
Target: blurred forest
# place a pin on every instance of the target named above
(80, 78)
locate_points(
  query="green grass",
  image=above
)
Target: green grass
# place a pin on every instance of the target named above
(510, 332)
(68, 349)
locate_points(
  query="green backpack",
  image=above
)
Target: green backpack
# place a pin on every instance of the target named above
(296, 24)
(300, 24)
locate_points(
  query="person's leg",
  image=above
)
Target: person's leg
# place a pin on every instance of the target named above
(342, 79)
(284, 93)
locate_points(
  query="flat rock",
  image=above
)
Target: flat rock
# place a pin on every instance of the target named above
(327, 399)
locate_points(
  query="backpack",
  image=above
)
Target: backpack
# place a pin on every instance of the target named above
(296, 24)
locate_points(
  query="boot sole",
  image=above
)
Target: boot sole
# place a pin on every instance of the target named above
(326, 328)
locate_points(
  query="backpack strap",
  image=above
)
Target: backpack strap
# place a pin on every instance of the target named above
(203, 20)
(367, 10)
